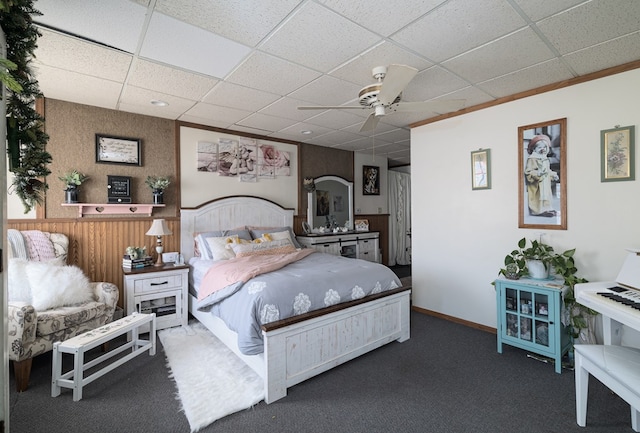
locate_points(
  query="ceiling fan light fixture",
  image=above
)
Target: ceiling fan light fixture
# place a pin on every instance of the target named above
(379, 110)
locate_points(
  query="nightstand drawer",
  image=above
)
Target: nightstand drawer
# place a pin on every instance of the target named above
(157, 283)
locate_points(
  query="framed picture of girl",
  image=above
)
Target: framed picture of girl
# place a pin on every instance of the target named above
(542, 175)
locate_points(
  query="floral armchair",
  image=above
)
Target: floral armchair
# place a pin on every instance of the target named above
(33, 331)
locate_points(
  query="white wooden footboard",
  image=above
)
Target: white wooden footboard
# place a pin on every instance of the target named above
(302, 350)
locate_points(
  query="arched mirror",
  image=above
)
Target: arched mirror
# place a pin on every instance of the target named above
(330, 205)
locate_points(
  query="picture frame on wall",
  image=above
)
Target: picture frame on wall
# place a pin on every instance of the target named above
(370, 180)
(542, 175)
(617, 154)
(118, 150)
(481, 169)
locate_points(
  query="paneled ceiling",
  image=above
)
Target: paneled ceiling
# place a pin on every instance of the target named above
(246, 65)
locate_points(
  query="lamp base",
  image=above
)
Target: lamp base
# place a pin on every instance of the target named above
(159, 250)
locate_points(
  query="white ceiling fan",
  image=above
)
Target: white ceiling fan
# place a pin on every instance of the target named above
(384, 97)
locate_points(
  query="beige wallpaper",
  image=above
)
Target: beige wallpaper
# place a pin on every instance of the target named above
(72, 129)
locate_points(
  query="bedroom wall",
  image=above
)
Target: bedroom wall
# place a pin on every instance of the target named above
(460, 236)
(198, 187)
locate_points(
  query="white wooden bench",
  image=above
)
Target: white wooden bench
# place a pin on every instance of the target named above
(80, 344)
(617, 367)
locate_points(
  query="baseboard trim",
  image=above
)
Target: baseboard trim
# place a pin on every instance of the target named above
(455, 319)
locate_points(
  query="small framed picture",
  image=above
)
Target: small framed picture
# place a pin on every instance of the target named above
(481, 169)
(118, 150)
(370, 180)
(617, 153)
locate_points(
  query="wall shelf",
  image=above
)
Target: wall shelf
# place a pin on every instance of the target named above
(113, 209)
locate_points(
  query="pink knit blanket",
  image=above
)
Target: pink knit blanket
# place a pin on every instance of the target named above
(242, 269)
(39, 246)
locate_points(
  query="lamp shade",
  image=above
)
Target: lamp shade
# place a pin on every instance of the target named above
(159, 228)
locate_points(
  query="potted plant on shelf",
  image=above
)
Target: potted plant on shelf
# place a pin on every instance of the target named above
(518, 263)
(72, 179)
(158, 184)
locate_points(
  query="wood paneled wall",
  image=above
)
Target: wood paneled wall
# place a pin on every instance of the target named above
(97, 245)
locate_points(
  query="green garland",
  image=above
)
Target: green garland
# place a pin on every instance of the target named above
(25, 127)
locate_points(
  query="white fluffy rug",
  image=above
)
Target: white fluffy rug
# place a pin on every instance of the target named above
(212, 381)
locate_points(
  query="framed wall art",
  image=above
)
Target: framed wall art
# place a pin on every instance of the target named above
(481, 169)
(118, 150)
(370, 180)
(617, 153)
(542, 175)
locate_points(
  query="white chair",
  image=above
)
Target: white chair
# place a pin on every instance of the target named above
(617, 367)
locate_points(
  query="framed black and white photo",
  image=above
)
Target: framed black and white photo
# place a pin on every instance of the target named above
(542, 173)
(370, 180)
(118, 150)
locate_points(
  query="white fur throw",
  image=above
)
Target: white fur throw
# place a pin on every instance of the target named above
(53, 285)
(19, 288)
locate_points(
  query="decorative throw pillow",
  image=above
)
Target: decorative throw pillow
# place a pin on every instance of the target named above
(257, 232)
(201, 249)
(19, 288)
(56, 286)
(282, 246)
(218, 247)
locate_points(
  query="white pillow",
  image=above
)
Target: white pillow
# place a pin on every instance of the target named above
(263, 248)
(19, 288)
(55, 286)
(218, 247)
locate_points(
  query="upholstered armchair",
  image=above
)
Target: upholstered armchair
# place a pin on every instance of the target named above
(35, 319)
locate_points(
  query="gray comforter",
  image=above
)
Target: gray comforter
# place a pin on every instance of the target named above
(317, 281)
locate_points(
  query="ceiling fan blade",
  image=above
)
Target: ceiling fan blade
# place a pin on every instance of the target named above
(396, 79)
(438, 106)
(371, 123)
(333, 107)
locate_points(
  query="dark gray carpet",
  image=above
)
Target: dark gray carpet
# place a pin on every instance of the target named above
(446, 378)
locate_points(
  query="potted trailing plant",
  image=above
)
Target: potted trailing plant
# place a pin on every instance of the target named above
(577, 317)
(158, 184)
(72, 179)
(534, 260)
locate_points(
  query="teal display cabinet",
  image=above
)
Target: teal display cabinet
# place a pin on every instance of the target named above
(529, 317)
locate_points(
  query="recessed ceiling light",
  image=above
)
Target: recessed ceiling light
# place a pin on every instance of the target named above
(306, 132)
(159, 103)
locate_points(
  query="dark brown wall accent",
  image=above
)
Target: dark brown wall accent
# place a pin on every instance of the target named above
(72, 129)
(322, 161)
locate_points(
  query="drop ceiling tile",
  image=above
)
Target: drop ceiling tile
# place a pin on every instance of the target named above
(294, 131)
(459, 26)
(246, 22)
(327, 90)
(334, 138)
(432, 83)
(240, 97)
(217, 113)
(318, 38)
(500, 57)
(87, 19)
(395, 135)
(213, 55)
(530, 78)
(608, 54)
(591, 23)
(358, 70)
(205, 121)
(162, 78)
(136, 96)
(266, 123)
(262, 71)
(288, 108)
(150, 110)
(389, 15)
(70, 86)
(539, 9)
(73, 54)
(336, 119)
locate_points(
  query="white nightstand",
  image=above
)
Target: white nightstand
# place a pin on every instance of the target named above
(158, 289)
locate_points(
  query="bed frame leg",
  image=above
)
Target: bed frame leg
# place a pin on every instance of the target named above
(275, 379)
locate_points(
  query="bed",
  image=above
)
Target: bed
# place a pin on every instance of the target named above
(303, 346)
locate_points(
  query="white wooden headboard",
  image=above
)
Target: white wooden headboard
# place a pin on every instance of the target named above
(229, 213)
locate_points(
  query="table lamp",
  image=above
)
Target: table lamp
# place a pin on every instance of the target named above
(159, 228)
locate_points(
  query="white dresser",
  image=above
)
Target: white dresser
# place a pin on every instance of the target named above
(357, 245)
